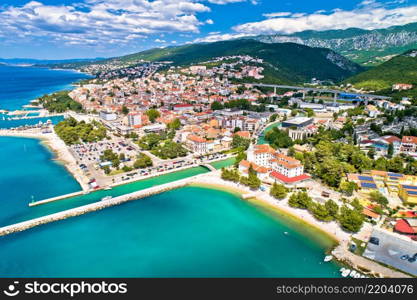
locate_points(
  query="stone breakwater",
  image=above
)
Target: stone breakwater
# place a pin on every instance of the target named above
(93, 207)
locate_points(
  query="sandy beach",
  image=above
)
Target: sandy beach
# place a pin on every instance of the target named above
(57, 146)
(332, 229)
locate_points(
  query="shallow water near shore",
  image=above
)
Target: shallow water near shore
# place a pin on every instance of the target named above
(188, 232)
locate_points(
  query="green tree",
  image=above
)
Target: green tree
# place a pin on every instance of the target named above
(125, 110)
(396, 164)
(175, 124)
(377, 197)
(240, 142)
(216, 106)
(371, 153)
(241, 155)
(278, 191)
(320, 212)
(350, 219)
(332, 208)
(152, 114)
(142, 161)
(300, 200)
(348, 187)
(278, 138)
(390, 150)
(254, 182)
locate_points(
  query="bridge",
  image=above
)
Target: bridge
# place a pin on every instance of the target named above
(208, 166)
(310, 89)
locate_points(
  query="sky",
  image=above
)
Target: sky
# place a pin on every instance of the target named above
(62, 29)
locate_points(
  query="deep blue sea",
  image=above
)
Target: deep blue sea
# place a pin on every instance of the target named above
(19, 85)
(189, 232)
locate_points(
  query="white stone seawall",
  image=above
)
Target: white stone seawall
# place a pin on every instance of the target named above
(93, 207)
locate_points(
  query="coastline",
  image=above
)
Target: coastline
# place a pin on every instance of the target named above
(259, 200)
(56, 146)
(329, 230)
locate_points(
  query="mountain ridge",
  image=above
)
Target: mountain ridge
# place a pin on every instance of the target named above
(286, 62)
(367, 47)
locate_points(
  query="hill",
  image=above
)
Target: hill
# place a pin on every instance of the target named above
(283, 62)
(400, 69)
(366, 47)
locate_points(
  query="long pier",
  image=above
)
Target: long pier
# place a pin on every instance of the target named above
(57, 198)
(93, 207)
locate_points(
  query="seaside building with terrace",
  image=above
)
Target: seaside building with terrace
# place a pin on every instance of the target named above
(279, 167)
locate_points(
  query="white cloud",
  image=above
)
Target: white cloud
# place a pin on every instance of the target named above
(216, 37)
(98, 22)
(369, 14)
(223, 2)
(210, 22)
(277, 14)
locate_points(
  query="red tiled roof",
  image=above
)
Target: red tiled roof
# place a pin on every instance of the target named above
(370, 213)
(182, 105)
(286, 179)
(402, 226)
(391, 139)
(408, 214)
(409, 139)
(243, 134)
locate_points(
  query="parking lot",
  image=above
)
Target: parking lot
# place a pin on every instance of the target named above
(393, 250)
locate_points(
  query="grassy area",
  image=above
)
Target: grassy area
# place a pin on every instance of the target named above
(359, 249)
(116, 172)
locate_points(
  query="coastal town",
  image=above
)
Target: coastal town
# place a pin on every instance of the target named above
(343, 161)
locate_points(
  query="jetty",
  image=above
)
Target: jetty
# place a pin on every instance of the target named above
(372, 268)
(81, 210)
(56, 198)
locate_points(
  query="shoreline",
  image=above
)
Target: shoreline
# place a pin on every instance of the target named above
(339, 237)
(57, 148)
(277, 210)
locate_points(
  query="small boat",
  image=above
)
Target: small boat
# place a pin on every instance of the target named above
(106, 198)
(345, 272)
(353, 273)
(285, 232)
(328, 258)
(357, 275)
(107, 188)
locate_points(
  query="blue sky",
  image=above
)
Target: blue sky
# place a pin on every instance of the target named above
(58, 29)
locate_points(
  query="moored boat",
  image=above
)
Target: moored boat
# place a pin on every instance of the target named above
(328, 258)
(345, 272)
(106, 198)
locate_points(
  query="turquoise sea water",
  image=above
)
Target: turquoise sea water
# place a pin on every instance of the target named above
(189, 232)
(27, 170)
